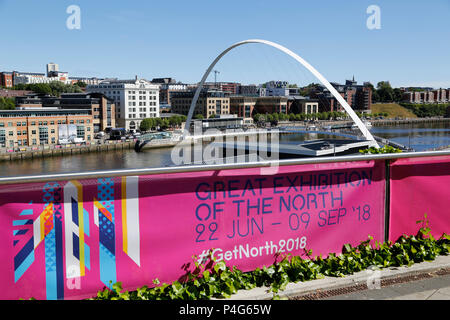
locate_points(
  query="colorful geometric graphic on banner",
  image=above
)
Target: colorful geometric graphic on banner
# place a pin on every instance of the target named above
(130, 218)
(104, 205)
(23, 243)
(76, 226)
(53, 241)
(68, 240)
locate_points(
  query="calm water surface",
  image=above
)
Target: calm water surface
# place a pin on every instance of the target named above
(419, 136)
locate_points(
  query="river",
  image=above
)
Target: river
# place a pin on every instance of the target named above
(420, 137)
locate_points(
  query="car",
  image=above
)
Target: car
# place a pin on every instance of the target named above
(78, 140)
(99, 135)
(63, 141)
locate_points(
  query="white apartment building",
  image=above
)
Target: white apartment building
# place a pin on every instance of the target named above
(33, 78)
(135, 100)
(280, 89)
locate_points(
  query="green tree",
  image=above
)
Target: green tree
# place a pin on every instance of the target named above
(385, 91)
(7, 103)
(397, 95)
(145, 124)
(292, 117)
(81, 84)
(43, 88)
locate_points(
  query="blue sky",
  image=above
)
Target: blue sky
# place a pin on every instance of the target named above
(180, 38)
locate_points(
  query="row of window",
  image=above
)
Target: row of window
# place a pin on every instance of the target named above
(130, 104)
(24, 132)
(44, 123)
(141, 115)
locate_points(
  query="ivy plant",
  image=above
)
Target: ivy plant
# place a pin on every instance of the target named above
(214, 279)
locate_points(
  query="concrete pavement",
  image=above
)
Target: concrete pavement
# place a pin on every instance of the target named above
(437, 287)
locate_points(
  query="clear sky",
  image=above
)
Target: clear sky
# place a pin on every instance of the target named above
(173, 38)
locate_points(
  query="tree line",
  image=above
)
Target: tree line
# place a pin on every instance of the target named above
(7, 103)
(163, 123)
(53, 88)
(428, 110)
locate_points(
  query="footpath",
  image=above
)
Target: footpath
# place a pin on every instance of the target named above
(421, 281)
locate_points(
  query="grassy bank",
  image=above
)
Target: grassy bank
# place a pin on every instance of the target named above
(393, 110)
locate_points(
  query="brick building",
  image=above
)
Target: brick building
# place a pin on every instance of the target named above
(34, 127)
(6, 79)
(210, 102)
(246, 107)
(427, 96)
(359, 97)
(101, 107)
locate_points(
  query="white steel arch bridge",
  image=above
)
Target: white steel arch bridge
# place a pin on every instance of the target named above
(365, 132)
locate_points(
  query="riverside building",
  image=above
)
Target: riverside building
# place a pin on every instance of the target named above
(40, 126)
(134, 100)
(209, 103)
(101, 107)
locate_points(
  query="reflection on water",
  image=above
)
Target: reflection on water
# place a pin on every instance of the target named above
(419, 136)
(116, 159)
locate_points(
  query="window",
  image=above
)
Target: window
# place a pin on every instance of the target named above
(80, 131)
(2, 138)
(43, 135)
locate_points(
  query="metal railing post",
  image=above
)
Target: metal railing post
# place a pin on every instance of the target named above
(387, 198)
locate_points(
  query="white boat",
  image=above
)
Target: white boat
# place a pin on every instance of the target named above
(367, 124)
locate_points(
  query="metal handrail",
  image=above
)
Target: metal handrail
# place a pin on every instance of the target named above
(194, 168)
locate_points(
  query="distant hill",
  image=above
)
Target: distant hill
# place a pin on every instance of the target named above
(393, 109)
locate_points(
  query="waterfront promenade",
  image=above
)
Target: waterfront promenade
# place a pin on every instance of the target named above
(37, 152)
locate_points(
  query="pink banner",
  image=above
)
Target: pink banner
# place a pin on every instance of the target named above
(419, 186)
(67, 240)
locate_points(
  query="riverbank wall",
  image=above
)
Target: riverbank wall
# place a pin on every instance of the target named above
(382, 122)
(73, 150)
(63, 151)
